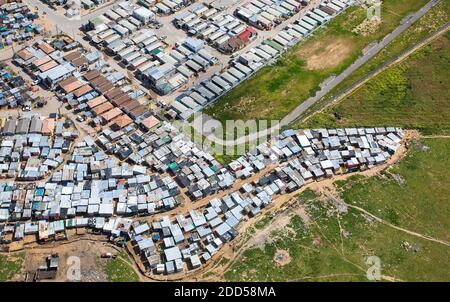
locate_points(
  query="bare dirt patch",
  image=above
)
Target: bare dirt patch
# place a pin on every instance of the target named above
(282, 258)
(327, 53)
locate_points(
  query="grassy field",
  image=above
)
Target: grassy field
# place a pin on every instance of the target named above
(120, 270)
(437, 17)
(10, 265)
(411, 94)
(275, 90)
(414, 195)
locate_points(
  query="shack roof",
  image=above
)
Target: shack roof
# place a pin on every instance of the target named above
(113, 93)
(105, 87)
(48, 125)
(100, 80)
(72, 55)
(79, 61)
(82, 90)
(90, 75)
(40, 61)
(121, 99)
(108, 116)
(25, 54)
(45, 47)
(130, 105)
(122, 121)
(150, 122)
(172, 253)
(68, 81)
(102, 108)
(68, 88)
(138, 111)
(96, 101)
(47, 66)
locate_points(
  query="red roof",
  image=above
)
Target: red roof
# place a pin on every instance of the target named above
(244, 36)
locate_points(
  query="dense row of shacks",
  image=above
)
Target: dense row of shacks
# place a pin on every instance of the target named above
(137, 165)
(14, 91)
(242, 67)
(166, 151)
(125, 33)
(31, 147)
(190, 240)
(223, 31)
(165, 7)
(92, 190)
(16, 23)
(84, 81)
(266, 14)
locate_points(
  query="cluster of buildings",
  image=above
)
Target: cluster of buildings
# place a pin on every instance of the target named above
(223, 31)
(15, 92)
(246, 64)
(88, 184)
(32, 146)
(73, 8)
(167, 151)
(16, 23)
(94, 190)
(125, 33)
(165, 7)
(266, 14)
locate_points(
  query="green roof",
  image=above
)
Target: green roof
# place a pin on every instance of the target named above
(274, 44)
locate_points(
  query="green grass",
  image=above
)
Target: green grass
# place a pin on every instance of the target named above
(434, 19)
(10, 265)
(264, 221)
(276, 90)
(421, 203)
(319, 253)
(411, 94)
(120, 270)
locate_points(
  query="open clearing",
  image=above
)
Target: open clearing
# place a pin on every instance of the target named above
(412, 196)
(327, 53)
(411, 94)
(429, 24)
(276, 90)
